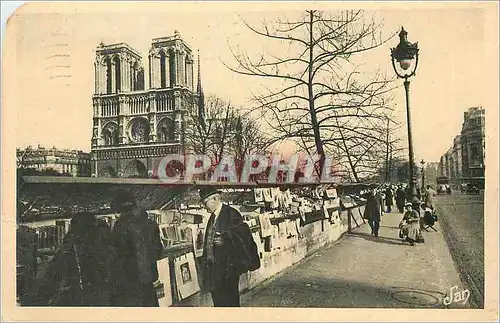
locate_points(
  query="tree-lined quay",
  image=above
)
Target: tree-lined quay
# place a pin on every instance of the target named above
(190, 199)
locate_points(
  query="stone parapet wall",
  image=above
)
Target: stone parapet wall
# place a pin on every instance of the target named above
(315, 236)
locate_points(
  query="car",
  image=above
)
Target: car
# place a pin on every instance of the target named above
(472, 189)
(441, 189)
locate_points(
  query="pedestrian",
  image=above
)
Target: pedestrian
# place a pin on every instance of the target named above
(229, 250)
(137, 244)
(430, 197)
(388, 198)
(373, 211)
(79, 274)
(400, 198)
(410, 225)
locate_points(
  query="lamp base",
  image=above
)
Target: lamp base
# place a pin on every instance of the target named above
(414, 195)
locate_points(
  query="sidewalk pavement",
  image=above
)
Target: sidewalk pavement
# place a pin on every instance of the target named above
(361, 270)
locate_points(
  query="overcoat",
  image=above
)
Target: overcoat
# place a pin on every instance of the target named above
(237, 255)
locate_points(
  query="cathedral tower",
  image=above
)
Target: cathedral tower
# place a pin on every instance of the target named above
(134, 127)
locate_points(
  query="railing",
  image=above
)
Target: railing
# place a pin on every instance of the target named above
(110, 107)
(138, 104)
(165, 102)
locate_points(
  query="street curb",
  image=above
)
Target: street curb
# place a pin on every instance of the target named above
(477, 297)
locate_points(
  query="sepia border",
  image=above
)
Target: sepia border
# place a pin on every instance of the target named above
(10, 128)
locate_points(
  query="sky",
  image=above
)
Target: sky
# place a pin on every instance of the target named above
(54, 104)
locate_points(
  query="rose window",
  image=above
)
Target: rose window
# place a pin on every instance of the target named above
(139, 131)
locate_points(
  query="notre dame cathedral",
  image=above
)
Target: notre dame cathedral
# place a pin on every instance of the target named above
(135, 127)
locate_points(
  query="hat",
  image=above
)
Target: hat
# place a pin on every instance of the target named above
(207, 192)
(408, 204)
(123, 199)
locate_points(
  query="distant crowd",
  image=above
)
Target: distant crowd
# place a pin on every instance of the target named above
(381, 200)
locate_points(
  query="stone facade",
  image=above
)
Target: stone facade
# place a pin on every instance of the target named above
(64, 161)
(134, 127)
(464, 161)
(472, 140)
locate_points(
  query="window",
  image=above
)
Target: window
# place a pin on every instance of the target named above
(163, 70)
(165, 131)
(117, 74)
(109, 73)
(171, 62)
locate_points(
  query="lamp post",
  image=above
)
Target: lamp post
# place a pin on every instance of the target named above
(406, 54)
(422, 162)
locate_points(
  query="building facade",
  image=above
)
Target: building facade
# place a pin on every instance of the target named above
(464, 160)
(473, 143)
(135, 127)
(63, 161)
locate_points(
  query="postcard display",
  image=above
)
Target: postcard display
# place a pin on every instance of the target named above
(182, 236)
(282, 214)
(274, 216)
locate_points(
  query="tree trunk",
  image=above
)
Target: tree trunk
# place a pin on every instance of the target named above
(387, 175)
(312, 111)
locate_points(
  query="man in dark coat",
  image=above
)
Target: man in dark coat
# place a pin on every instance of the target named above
(228, 251)
(400, 199)
(137, 244)
(373, 211)
(388, 198)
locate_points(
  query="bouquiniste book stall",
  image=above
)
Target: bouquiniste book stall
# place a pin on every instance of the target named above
(275, 214)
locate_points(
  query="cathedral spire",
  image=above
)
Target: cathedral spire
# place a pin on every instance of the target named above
(201, 97)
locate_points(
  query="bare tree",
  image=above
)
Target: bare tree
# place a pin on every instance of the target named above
(207, 134)
(21, 155)
(315, 89)
(223, 129)
(249, 138)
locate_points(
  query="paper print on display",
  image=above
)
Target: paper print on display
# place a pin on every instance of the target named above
(331, 193)
(258, 195)
(186, 273)
(258, 242)
(164, 288)
(288, 197)
(291, 228)
(267, 195)
(275, 197)
(266, 228)
(335, 202)
(325, 212)
(186, 234)
(275, 237)
(198, 242)
(297, 225)
(282, 229)
(335, 217)
(186, 276)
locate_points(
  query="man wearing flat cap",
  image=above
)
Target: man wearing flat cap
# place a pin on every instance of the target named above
(228, 251)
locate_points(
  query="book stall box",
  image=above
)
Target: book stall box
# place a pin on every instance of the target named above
(182, 235)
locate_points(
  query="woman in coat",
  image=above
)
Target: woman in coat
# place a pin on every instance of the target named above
(400, 198)
(410, 224)
(79, 274)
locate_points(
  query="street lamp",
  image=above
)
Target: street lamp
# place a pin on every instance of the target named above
(422, 162)
(406, 54)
